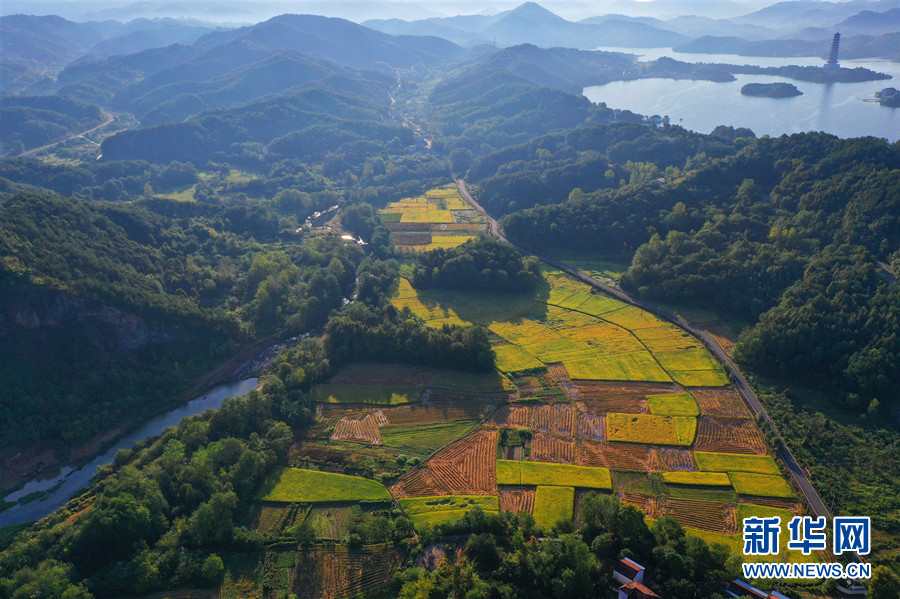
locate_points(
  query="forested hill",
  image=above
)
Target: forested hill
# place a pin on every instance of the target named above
(741, 226)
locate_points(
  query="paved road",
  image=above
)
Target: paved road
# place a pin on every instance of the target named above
(887, 271)
(740, 383)
(108, 120)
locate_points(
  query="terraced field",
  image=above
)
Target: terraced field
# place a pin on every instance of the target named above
(439, 219)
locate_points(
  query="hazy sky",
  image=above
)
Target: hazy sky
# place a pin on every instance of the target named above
(246, 11)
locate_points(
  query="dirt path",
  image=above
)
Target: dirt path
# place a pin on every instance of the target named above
(109, 119)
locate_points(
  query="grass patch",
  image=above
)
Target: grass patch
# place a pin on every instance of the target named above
(365, 394)
(720, 494)
(700, 378)
(635, 366)
(731, 462)
(703, 479)
(293, 485)
(651, 429)
(511, 472)
(512, 358)
(441, 503)
(673, 404)
(484, 382)
(764, 485)
(552, 504)
(422, 439)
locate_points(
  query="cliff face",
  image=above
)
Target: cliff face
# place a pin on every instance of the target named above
(27, 309)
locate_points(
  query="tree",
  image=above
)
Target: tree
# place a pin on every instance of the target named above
(884, 584)
(211, 573)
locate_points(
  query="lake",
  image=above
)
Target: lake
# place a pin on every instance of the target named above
(836, 108)
(71, 480)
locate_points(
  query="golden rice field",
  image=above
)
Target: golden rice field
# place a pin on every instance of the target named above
(594, 337)
(651, 429)
(440, 218)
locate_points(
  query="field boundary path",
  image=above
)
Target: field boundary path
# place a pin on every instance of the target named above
(740, 383)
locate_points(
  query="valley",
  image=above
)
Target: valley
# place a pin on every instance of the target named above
(456, 323)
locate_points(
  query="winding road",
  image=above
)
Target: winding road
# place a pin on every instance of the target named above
(107, 120)
(740, 383)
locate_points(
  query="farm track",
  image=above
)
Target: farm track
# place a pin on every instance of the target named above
(734, 374)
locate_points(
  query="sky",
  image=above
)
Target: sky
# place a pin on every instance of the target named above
(252, 11)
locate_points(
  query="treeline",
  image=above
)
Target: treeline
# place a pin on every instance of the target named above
(483, 263)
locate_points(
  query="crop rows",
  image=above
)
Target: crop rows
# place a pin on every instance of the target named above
(590, 427)
(345, 573)
(364, 430)
(420, 482)
(729, 435)
(720, 402)
(617, 456)
(467, 466)
(559, 375)
(621, 389)
(699, 513)
(646, 503)
(517, 499)
(556, 418)
(776, 502)
(548, 448)
(672, 459)
(618, 405)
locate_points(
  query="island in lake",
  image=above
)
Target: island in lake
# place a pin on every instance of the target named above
(771, 90)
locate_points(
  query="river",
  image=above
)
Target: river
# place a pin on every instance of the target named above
(70, 480)
(836, 108)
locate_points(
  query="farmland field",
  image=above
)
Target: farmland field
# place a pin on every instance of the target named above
(708, 479)
(648, 428)
(365, 394)
(594, 337)
(517, 499)
(730, 462)
(293, 485)
(729, 435)
(673, 404)
(765, 485)
(552, 504)
(432, 510)
(538, 473)
(422, 439)
(438, 219)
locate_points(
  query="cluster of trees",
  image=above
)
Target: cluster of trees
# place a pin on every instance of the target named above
(501, 556)
(484, 263)
(363, 333)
